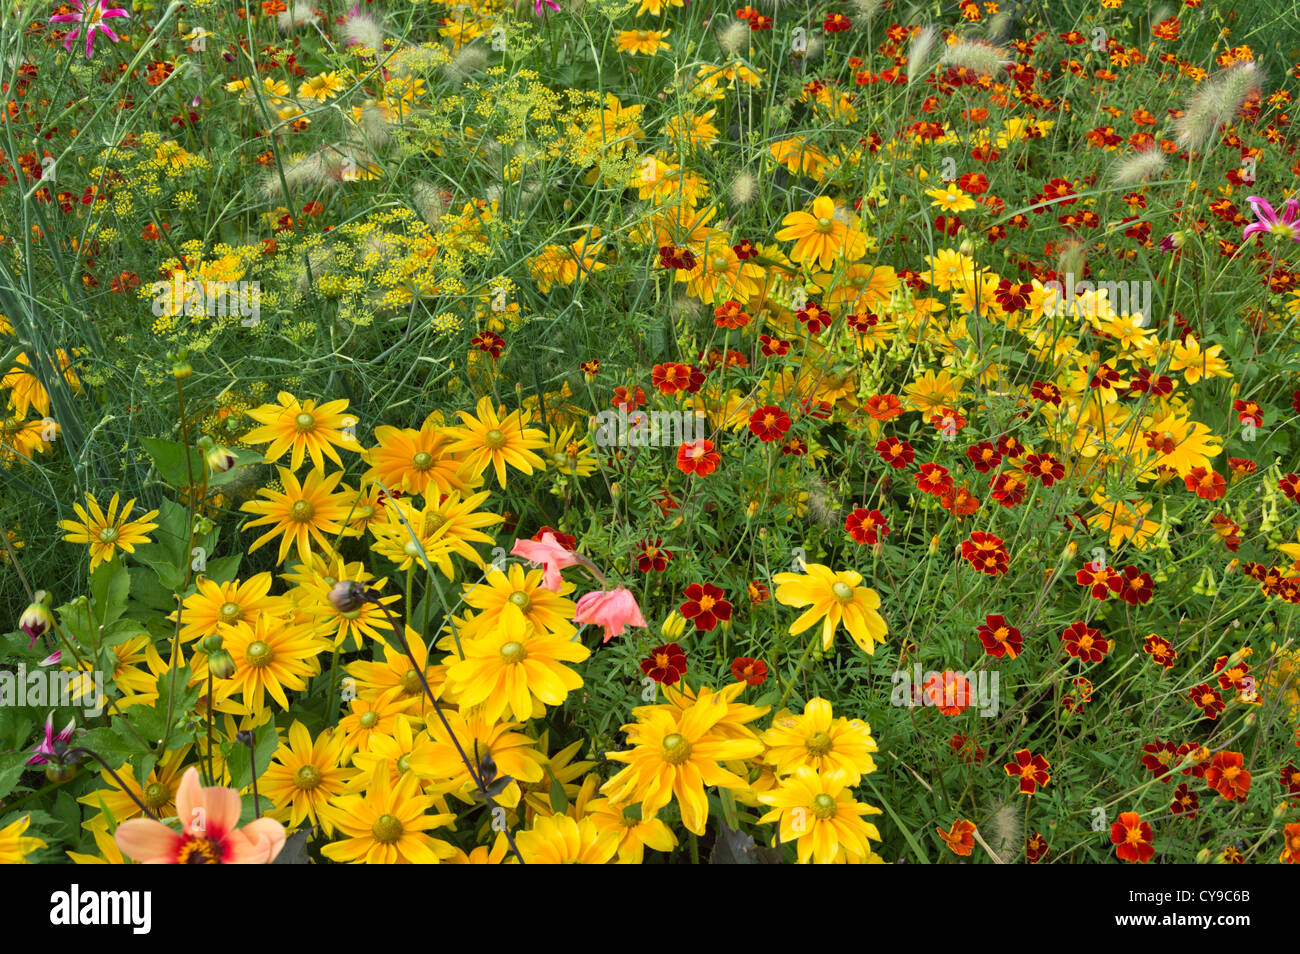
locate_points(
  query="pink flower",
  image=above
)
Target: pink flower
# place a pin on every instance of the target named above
(547, 551)
(42, 752)
(1269, 222)
(211, 833)
(90, 19)
(613, 609)
(537, 6)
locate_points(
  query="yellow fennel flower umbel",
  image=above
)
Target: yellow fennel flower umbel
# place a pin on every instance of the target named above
(833, 598)
(106, 533)
(495, 439)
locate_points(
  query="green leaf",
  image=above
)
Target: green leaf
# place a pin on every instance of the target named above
(10, 775)
(265, 743)
(109, 585)
(169, 457)
(223, 569)
(559, 800)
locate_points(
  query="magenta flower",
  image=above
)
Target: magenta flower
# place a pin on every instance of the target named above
(537, 6)
(1270, 223)
(90, 20)
(45, 750)
(613, 609)
(546, 552)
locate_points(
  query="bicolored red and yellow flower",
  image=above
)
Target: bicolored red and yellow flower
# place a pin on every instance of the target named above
(1030, 769)
(1133, 836)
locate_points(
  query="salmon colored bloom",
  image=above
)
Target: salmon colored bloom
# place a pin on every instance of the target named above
(615, 610)
(211, 833)
(548, 552)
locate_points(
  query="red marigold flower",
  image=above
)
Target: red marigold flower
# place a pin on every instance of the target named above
(1241, 467)
(1227, 530)
(1186, 802)
(1197, 758)
(1011, 448)
(1227, 775)
(757, 592)
(933, 479)
(999, 637)
(897, 454)
(986, 553)
(984, 456)
(1133, 836)
(1160, 758)
(706, 606)
(1160, 650)
(814, 317)
(1290, 779)
(838, 23)
(1008, 489)
(1291, 833)
(948, 422)
(1290, 484)
(1084, 643)
(752, 672)
(489, 342)
(1136, 587)
(698, 457)
(773, 347)
(652, 558)
(568, 541)
(1072, 703)
(960, 838)
(1045, 467)
(628, 399)
(1206, 484)
(1046, 391)
(769, 423)
(665, 664)
(959, 501)
(949, 691)
(884, 407)
(1036, 848)
(1099, 578)
(1207, 699)
(1249, 412)
(1013, 296)
(670, 378)
(966, 748)
(866, 526)
(590, 368)
(730, 314)
(1032, 770)
(1233, 677)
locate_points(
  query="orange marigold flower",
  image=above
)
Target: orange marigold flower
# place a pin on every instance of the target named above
(960, 837)
(1133, 836)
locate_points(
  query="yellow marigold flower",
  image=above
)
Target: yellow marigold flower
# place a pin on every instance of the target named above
(215, 605)
(14, 846)
(388, 825)
(1172, 439)
(833, 598)
(322, 86)
(304, 775)
(950, 198)
(271, 655)
(107, 533)
(1195, 363)
(303, 428)
(818, 813)
(950, 268)
(409, 460)
(441, 528)
(820, 742)
(819, 237)
(675, 753)
(559, 840)
(647, 42)
(514, 664)
(305, 512)
(495, 438)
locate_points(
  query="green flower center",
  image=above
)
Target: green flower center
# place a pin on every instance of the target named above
(403, 765)
(411, 681)
(843, 592)
(824, 224)
(513, 652)
(108, 534)
(387, 829)
(369, 719)
(720, 263)
(824, 807)
(521, 600)
(307, 778)
(818, 744)
(676, 749)
(495, 438)
(433, 522)
(230, 612)
(155, 795)
(301, 511)
(304, 422)
(422, 461)
(259, 654)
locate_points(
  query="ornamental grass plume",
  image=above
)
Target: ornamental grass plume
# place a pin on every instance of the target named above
(1216, 102)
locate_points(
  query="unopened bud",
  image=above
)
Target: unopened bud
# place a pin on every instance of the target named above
(221, 664)
(213, 643)
(347, 596)
(1203, 856)
(56, 773)
(36, 619)
(219, 459)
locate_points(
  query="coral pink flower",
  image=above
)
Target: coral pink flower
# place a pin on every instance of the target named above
(211, 834)
(89, 18)
(613, 609)
(549, 552)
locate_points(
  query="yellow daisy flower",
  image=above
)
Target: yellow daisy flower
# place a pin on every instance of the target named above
(833, 598)
(106, 533)
(495, 439)
(302, 428)
(388, 825)
(304, 512)
(304, 775)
